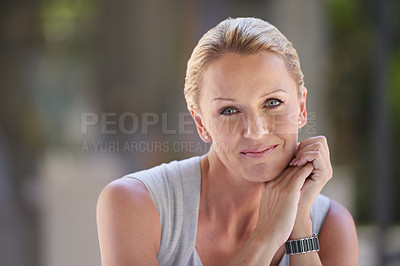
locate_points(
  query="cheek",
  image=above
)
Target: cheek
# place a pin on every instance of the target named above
(221, 127)
(225, 134)
(284, 124)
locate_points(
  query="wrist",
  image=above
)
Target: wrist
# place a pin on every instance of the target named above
(303, 245)
(302, 228)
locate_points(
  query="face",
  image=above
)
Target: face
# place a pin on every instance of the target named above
(250, 110)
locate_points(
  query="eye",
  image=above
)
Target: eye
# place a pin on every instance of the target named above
(228, 111)
(273, 103)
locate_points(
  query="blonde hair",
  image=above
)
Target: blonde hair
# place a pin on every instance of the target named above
(243, 36)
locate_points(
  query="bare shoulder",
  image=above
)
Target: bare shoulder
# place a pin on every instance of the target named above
(338, 237)
(128, 224)
(125, 193)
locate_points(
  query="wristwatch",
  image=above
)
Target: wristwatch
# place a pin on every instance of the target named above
(301, 246)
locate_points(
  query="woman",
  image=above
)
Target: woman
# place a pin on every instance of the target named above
(255, 195)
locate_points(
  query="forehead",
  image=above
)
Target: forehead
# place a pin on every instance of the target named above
(247, 74)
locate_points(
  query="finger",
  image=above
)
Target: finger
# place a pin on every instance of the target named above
(311, 157)
(299, 176)
(309, 141)
(320, 164)
(317, 146)
(312, 147)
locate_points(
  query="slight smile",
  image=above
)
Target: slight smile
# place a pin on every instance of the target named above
(258, 152)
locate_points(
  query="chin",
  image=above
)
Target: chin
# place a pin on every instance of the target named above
(265, 167)
(264, 172)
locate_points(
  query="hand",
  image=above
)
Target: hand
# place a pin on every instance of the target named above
(286, 203)
(279, 204)
(313, 150)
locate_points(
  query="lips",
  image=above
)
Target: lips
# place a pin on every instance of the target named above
(258, 151)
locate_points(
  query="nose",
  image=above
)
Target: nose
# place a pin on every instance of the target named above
(257, 126)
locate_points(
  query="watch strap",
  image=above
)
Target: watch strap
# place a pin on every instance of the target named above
(303, 245)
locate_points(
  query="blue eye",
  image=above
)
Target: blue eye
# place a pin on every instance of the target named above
(228, 111)
(272, 103)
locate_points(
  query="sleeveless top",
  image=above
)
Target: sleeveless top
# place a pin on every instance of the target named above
(175, 190)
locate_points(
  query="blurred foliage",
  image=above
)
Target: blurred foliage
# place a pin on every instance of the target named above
(350, 78)
(351, 82)
(70, 24)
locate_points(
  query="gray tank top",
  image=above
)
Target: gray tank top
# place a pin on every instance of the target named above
(175, 190)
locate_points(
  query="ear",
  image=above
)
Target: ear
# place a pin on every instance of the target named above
(200, 125)
(303, 109)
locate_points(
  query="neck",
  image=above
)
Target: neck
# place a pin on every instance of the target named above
(227, 197)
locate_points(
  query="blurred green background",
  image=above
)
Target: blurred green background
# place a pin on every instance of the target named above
(93, 90)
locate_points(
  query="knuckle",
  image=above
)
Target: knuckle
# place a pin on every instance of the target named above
(319, 145)
(324, 139)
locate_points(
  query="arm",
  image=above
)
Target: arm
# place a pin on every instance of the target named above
(285, 209)
(303, 229)
(258, 250)
(338, 237)
(128, 224)
(278, 208)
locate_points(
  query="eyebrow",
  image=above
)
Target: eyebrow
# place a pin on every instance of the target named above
(262, 96)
